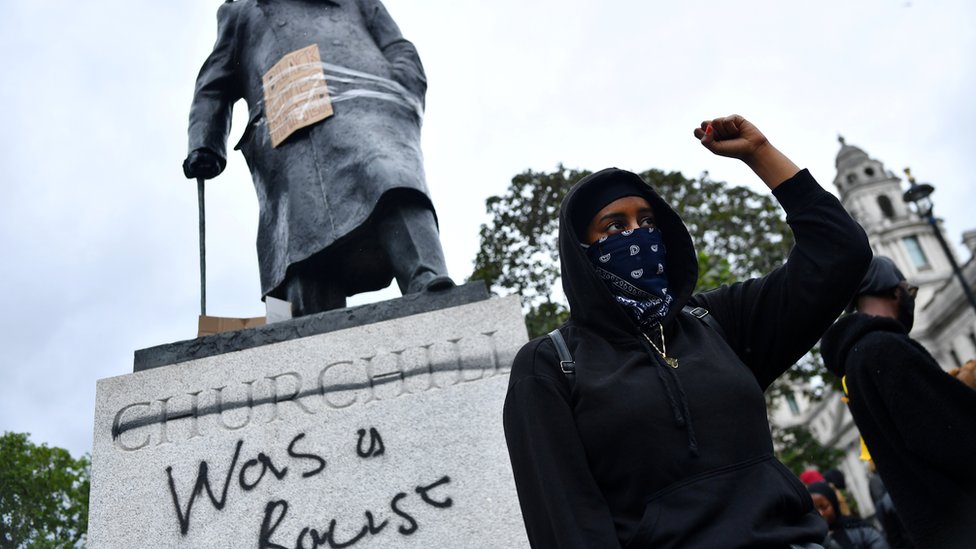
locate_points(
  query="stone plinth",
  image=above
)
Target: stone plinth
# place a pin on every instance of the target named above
(339, 319)
(386, 435)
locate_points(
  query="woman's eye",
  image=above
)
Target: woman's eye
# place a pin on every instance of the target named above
(647, 222)
(615, 226)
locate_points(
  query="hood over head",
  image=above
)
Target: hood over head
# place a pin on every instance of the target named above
(882, 276)
(593, 198)
(836, 477)
(825, 490)
(590, 301)
(846, 332)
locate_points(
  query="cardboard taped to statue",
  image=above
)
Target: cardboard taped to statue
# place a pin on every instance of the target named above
(296, 94)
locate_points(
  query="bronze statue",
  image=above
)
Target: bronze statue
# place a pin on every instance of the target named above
(343, 202)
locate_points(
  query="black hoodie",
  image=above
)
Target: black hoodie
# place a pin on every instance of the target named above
(918, 422)
(634, 453)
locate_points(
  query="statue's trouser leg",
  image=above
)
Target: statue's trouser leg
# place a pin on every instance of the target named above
(408, 235)
(309, 292)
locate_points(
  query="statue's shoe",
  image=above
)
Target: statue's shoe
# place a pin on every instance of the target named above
(439, 284)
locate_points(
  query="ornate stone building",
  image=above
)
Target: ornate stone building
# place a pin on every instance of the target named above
(945, 322)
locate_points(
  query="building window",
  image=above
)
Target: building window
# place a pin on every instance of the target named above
(869, 171)
(915, 252)
(791, 402)
(886, 208)
(851, 177)
(955, 358)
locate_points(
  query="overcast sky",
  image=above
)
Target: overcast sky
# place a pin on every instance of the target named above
(98, 228)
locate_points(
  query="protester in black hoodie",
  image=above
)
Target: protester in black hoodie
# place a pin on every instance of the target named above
(918, 422)
(634, 452)
(846, 532)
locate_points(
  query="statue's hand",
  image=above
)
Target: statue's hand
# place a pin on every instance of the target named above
(202, 163)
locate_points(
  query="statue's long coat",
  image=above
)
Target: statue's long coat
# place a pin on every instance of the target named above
(322, 183)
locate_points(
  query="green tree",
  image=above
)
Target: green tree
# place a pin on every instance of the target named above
(518, 250)
(43, 495)
(798, 449)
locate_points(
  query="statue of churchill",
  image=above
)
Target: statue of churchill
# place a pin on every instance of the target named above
(343, 202)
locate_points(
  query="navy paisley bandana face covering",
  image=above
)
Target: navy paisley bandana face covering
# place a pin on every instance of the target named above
(632, 264)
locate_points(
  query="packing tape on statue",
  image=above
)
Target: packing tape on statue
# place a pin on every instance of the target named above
(302, 94)
(394, 91)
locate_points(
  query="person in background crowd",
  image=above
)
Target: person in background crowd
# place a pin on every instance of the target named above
(918, 422)
(885, 512)
(835, 477)
(809, 476)
(846, 532)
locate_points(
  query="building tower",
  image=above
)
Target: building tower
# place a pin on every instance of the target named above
(873, 197)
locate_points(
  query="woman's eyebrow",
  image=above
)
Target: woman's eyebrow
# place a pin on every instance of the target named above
(610, 215)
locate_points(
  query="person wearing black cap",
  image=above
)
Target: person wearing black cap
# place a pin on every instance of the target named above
(917, 421)
(660, 438)
(835, 477)
(846, 532)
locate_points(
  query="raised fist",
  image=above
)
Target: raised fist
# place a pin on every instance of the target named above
(731, 136)
(966, 374)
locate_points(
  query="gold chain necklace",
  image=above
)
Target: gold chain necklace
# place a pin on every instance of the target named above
(672, 362)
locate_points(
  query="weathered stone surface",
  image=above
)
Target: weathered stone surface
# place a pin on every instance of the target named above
(350, 317)
(386, 435)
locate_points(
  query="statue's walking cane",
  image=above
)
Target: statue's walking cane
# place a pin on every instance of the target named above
(203, 249)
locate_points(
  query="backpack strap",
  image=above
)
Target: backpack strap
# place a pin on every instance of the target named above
(566, 362)
(568, 365)
(702, 314)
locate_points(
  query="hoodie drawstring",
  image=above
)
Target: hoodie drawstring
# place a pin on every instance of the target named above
(678, 416)
(692, 440)
(681, 413)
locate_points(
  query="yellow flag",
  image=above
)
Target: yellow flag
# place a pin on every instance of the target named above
(865, 454)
